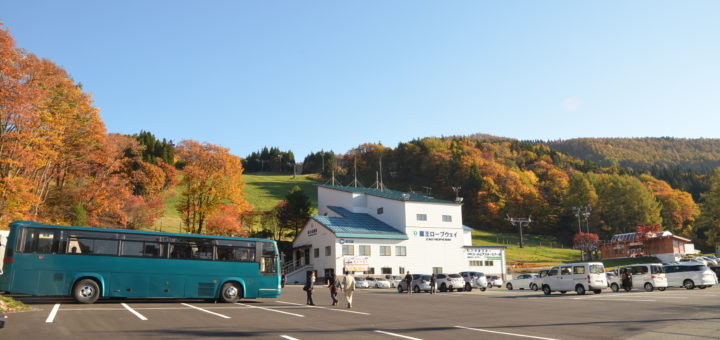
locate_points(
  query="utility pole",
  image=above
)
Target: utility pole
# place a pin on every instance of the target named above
(520, 223)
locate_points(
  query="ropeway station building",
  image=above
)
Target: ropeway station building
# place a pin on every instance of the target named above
(380, 232)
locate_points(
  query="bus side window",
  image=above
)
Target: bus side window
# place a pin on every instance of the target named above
(180, 251)
(41, 241)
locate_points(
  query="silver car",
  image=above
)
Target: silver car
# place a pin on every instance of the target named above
(420, 283)
(474, 280)
(448, 282)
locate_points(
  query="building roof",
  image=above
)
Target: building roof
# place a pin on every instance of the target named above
(354, 225)
(387, 193)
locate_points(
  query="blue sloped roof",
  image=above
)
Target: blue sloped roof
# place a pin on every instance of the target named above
(387, 193)
(353, 225)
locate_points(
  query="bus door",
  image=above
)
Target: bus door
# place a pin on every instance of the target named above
(39, 255)
(269, 273)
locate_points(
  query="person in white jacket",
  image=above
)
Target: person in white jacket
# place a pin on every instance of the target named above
(349, 287)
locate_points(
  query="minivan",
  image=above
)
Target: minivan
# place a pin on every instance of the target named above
(648, 275)
(580, 277)
(690, 276)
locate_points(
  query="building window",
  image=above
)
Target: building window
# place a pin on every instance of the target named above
(447, 218)
(384, 250)
(364, 250)
(475, 263)
(400, 251)
(421, 217)
(348, 249)
(371, 270)
(328, 251)
(437, 270)
(489, 263)
(379, 211)
(316, 252)
(386, 270)
(402, 270)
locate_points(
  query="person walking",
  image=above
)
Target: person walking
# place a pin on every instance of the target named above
(334, 284)
(349, 288)
(432, 284)
(308, 288)
(408, 282)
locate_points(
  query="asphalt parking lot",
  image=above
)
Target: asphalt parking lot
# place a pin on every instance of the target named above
(383, 314)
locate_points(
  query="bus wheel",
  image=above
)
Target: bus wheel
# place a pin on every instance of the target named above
(86, 291)
(230, 292)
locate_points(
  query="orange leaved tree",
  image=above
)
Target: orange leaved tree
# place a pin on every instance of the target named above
(212, 176)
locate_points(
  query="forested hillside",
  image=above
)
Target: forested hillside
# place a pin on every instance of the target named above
(699, 155)
(502, 177)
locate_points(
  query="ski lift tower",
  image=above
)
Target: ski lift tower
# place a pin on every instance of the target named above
(520, 223)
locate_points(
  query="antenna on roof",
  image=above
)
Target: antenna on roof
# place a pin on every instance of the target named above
(458, 199)
(382, 187)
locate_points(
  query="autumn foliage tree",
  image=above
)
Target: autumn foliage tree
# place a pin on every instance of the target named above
(587, 243)
(57, 162)
(212, 176)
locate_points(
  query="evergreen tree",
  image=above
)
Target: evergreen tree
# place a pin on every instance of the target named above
(710, 211)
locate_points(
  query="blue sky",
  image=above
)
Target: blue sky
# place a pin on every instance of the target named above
(312, 75)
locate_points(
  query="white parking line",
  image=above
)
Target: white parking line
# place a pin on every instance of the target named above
(398, 335)
(53, 312)
(206, 311)
(616, 299)
(321, 307)
(288, 337)
(140, 316)
(505, 333)
(272, 310)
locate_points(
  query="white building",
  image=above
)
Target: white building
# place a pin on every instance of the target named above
(381, 232)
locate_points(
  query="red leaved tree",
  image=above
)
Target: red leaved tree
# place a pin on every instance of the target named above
(586, 242)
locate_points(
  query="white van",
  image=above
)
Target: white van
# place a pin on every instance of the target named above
(3, 243)
(580, 277)
(649, 276)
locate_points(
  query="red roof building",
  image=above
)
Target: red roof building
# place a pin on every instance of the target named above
(664, 245)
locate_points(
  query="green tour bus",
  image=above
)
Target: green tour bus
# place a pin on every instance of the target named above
(92, 263)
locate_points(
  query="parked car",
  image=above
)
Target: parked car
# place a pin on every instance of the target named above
(521, 282)
(474, 280)
(580, 277)
(420, 283)
(716, 269)
(693, 260)
(494, 281)
(361, 283)
(382, 283)
(690, 275)
(537, 281)
(613, 278)
(649, 276)
(394, 280)
(370, 281)
(448, 282)
(711, 260)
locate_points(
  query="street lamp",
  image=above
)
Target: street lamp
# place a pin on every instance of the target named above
(584, 212)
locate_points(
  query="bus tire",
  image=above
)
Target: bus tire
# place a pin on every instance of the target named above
(86, 291)
(230, 292)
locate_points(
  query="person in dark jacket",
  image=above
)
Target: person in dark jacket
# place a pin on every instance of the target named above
(433, 283)
(408, 282)
(334, 284)
(308, 288)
